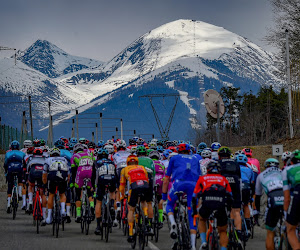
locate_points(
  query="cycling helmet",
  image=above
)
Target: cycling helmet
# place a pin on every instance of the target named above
(248, 152)
(140, 141)
(37, 151)
(154, 155)
(110, 148)
(166, 154)
(30, 150)
(59, 144)
(121, 144)
(15, 145)
(78, 147)
(224, 152)
(100, 143)
(102, 153)
(36, 143)
(271, 162)
(183, 147)
(91, 144)
(160, 143)
(71, 146)
(82, 140)
(213, 167)
(132, 158)
(149, 150)
(43, 142)
(241, 158)
(295, 157)
(239, 152)
(27, 144)
(73, 140)
(215, 146)
(153, 145)
(206, 153)
(110, 142)
(131, 142)
(133, 149)
(202, 145)
(286, 155)
(160, 149)
(141, 150)
(54, 152)
(46, 149)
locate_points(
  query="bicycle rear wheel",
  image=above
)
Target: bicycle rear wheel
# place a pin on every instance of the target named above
(107, 222)
(37, 216)
(156, 224)
(133, 244)
(186, 236)
(14, 205)
(141, 229)
(57, 220)
(87, 219)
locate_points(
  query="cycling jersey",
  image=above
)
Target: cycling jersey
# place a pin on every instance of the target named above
(247, 177)
(57, 169)
(148, 165)
(120, 158)
(254, 162)
(203, 165)
(159, 175)
(291, 177)
(269, 180)
(214, 155)
(67, 154)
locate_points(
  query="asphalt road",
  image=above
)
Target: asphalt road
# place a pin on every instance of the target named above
(21, 234)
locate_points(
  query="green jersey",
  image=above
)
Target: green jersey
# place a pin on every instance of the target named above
(148, 164)
(291, 176)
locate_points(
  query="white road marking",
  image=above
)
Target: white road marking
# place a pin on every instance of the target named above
(152, 246)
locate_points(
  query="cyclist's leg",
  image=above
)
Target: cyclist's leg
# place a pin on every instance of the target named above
(99, 197)
(112, 196)
(172, 198)
(293, 219)
(292, 237)
(78, 201)
(132, 201)
(272, 217)
(204, 213)
(68, 203)
(52, 187)
(118, 203)
(44, 203)
(222, 227)
(62, 195)
(236, 209)
(10, 183)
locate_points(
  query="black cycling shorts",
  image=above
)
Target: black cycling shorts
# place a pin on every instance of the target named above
(246, 196)
(111, 184)
(118, 176)
(12, 170)
(61, 187)
(35, 175)
(149, 192)
(272, 216)
(293, 215)
(221, 215)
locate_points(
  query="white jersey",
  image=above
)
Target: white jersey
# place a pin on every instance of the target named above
(120, 158)
(56, 164)
(166, 163)
(35, 160)
(203, 165)
(214, 155)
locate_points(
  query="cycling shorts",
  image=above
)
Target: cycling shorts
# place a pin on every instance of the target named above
(272, 216)
(36, 174)
(61, 187)
(111, 184)
(246, 196)
(293, 215)
(159, 180)
(83, 172)
(10, 177)
(136, 191)
(149, 192)
(220, 215)
(118, 176)
(237, 199)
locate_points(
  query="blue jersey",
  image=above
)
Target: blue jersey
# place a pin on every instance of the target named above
(14, 157)
(66, 154)
(184, 167)
(247, 176)
(199, 157)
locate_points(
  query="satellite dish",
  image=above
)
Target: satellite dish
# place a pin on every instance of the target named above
(211, 100)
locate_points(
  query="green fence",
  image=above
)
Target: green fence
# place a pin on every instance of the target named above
(8, 134)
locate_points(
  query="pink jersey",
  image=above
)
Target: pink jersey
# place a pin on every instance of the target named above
(255, 162)
(159, 174)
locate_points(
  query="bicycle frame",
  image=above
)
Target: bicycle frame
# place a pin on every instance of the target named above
(15, 196)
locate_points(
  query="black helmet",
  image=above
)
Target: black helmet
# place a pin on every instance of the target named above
(213, 167)
(224, 152)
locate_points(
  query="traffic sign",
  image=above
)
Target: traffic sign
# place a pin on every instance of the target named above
(277, 150)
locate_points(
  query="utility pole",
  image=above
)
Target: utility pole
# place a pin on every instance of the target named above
(101, 131)
(96, 131)
(30, 114)
(121, 129)
(116, 133)
(289, 83)
(77, 134)
(73, 128)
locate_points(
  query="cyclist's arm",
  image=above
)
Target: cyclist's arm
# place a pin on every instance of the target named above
(286, 190)
(122, 183)
(165, 187)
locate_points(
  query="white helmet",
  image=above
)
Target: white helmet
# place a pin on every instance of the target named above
(109, 148)
(206, 153)
(27, 143)
(111, 142)
(79, 147)
(286, 155)
(133, 149)
(153, 145)
(121, 144)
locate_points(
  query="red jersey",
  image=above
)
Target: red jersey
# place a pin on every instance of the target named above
(206, 181)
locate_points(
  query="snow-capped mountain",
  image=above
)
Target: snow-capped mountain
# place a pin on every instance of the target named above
(185, 57)
(53, 61)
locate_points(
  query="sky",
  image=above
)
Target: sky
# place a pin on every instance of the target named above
(100, 29)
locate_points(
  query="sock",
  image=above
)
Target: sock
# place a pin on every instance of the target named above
(99, 220)
(8, 201)
(44, 212)
(63, 207)
(30, 195)
(68, 210)
(193, 240)
(24, 200)
(171, 219)
(239, 234)
(78, 211)
(150, 222)
(130, 225)
(145, 209)
(203, 237)
(20, 191)
(92, 204)
(49, 213)
(160, 215)
(223, 248)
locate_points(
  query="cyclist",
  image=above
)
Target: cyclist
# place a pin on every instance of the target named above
(206, 158)
(231, 170)
(137, 177)
(26, 144)
(104, 175)
(215, 146)
(185, 171)
(82, 163)
(159, 176)
(248, 186)
(150, 168)
(14, 163)
(248, 152)
(36, 143)
(271, 182)
(57, 172)
(165, 158)
(285, 157)
(214, 189)
(35, 167)
(201, 147)
(291, 189)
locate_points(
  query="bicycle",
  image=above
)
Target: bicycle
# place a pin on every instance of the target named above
(57, 218)
(233, 240)
(86, 216)
(156, 214)
(15, 196)
(124, 212)
(73, 202)
(181, 219)
(281, 240)
(107, 220)
(140, 226)
(37, 207)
